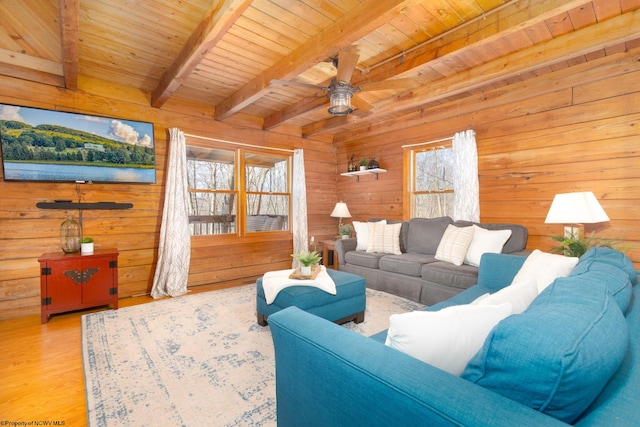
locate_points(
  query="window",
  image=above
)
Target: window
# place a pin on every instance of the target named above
(237, 191)
(429, 181)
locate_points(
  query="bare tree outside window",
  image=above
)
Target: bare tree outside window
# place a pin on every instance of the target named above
(433, 182)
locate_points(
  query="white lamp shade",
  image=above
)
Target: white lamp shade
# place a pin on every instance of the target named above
(575, 208)
(341, 211)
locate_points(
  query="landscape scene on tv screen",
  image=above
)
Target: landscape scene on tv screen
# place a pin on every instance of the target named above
(45, 145)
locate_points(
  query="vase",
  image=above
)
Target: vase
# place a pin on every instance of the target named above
(70, 235)
(305, 270)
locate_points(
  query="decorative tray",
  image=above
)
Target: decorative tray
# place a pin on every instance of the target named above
(315, 270)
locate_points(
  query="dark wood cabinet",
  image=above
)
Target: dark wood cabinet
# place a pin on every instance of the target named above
(73, 281)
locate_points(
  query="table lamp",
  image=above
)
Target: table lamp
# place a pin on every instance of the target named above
(573, 210)
(340, 211)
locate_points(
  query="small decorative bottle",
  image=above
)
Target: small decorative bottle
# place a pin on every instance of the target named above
(70, 235)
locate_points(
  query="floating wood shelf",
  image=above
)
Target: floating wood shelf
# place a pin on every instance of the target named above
(357, 174)
(84, 206)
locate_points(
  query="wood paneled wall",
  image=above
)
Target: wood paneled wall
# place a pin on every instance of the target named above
(26, 231)
(571, 130)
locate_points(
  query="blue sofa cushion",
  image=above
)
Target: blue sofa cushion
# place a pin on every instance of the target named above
(558, 355)
(593, 271)
(611, 257)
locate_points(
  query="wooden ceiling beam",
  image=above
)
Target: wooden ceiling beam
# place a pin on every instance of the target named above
(69, 18)
(481, 31)
(351, 27)
(605, 34)
(477, 33)
(211, 29)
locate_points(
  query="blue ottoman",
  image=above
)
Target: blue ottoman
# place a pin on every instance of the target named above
(346, 305)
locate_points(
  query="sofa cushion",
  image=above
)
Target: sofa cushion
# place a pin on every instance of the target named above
(519, 234)
(384, 238)
(363, 259)
(454, 244)
(519, 295)
(558, 355)
(408, 264)
(611, 257)
(424, 234)
(545, 268)
(485, 241)
(362, 234)
(461, 277)
(446, 339)
(616, 280)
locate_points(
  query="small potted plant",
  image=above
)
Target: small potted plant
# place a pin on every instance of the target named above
(363, 163)
(307, 259)
(345, 230)
(86, 245)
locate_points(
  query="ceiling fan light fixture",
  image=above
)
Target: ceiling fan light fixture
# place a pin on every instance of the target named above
(340, 98)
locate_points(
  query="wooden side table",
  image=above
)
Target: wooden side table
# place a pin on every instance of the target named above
(329, 245)
(75, 281)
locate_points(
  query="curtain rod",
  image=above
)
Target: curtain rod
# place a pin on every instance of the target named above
(428, 142)
(238, 143)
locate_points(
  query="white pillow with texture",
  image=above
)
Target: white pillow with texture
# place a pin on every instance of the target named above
(384, 238)
(448, 338)
(454, 244)
(362, 233)
(545, 268)
(484, 241)
(520, 295)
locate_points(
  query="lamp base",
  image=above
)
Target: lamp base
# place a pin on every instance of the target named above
(574, 231)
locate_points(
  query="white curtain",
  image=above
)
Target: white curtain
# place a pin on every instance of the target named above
(174, 249)
(299, 209)
(466, 204)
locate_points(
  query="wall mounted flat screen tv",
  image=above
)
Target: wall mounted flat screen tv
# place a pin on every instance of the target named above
(55, 146)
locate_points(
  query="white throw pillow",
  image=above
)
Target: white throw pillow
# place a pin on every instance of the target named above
(362, 233)
(484, 241)
(384, 238)
(446, 339)
(454, 244)
(545, 268)
(520, 295)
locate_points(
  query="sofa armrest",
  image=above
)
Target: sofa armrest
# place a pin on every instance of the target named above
(343, 246)
(498, 270)
(329, 375)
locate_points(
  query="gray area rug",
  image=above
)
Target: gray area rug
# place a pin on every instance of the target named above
(195, 360)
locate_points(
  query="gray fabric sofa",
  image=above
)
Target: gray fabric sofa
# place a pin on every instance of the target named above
(416, 274)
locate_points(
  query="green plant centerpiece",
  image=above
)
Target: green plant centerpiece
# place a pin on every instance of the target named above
(307, 259)
(363, 163)
(86, 240)
(576, 247)
(346, 230)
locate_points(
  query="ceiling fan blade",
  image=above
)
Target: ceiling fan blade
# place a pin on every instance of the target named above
(347, 61)
(293, 83)
(361, 104)
(389, 85)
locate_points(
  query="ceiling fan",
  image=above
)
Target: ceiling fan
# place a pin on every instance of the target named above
(340, 91)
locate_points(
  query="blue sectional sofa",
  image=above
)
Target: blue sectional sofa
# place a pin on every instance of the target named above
(571, 358)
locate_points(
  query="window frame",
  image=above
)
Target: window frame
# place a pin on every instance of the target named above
(241, 193)
(410, 174)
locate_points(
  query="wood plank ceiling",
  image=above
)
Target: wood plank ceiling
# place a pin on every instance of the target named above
(225, 53)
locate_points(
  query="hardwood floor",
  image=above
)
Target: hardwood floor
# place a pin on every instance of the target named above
(41, 367)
